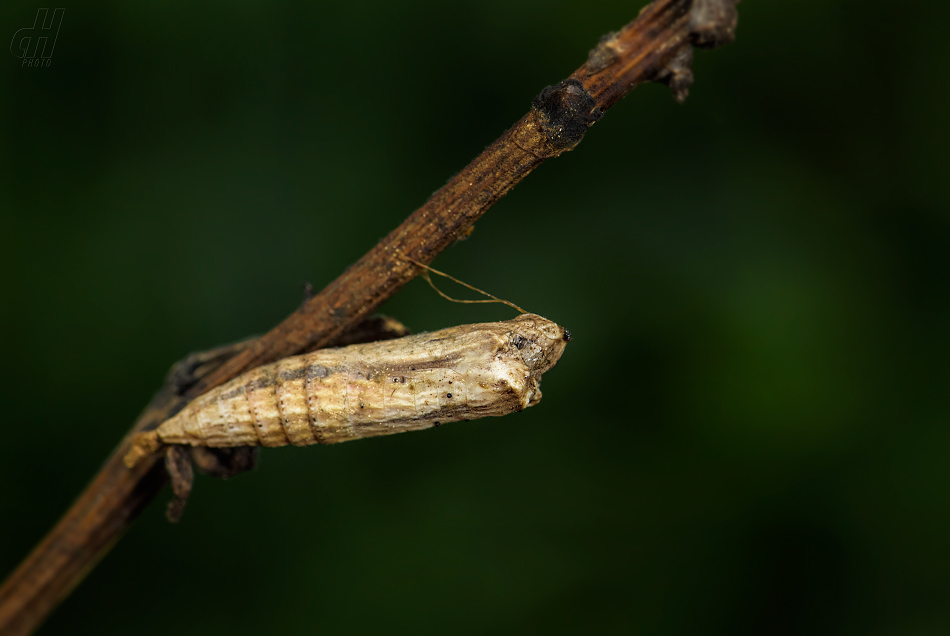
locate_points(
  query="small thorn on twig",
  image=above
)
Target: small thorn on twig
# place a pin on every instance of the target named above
(182, 476)
(678, 73)
(307, 293)
(712, 23)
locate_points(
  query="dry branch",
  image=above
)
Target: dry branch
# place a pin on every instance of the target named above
(654, 47)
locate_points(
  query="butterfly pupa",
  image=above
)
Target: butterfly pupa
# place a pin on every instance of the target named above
(366, 390)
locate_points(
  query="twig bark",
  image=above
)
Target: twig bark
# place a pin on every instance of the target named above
(654, 47)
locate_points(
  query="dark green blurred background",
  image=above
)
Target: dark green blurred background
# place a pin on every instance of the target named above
(749, 434)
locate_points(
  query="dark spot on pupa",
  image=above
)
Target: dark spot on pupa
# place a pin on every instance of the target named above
(261, 383)
(317, 371)
(520, 342)
(293, 374)
(436, 424)
(448, 395)
(567, 336)
(233, 393)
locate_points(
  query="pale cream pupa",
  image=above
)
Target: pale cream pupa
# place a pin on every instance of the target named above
(365, 390)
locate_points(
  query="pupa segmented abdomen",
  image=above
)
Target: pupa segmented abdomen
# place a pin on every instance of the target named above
(366, 390)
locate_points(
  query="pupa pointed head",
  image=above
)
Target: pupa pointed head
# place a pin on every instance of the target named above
(539, 341)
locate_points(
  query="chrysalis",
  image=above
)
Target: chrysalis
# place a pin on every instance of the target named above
(378, 388)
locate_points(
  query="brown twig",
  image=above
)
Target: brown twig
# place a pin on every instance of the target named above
(654, 47)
